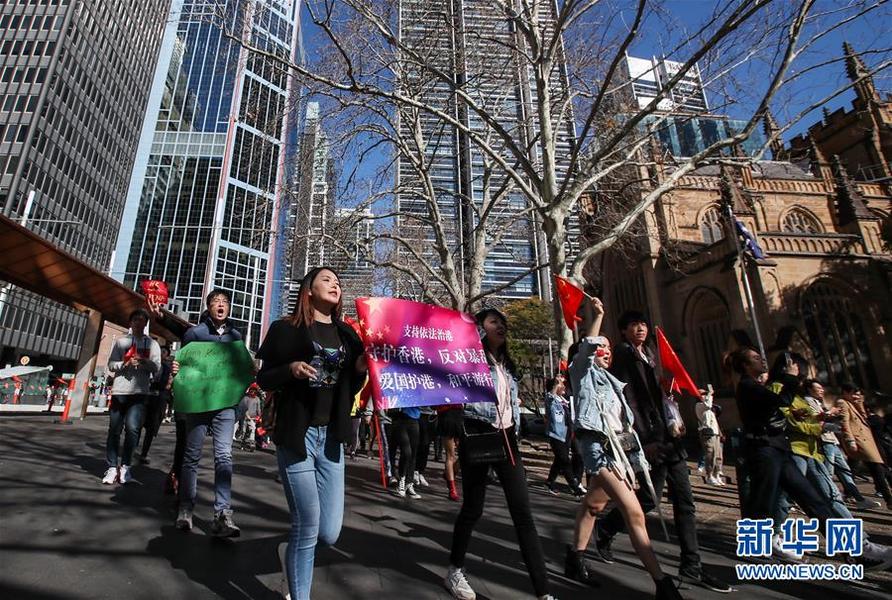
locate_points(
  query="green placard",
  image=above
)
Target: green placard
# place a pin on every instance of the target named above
(213, 375)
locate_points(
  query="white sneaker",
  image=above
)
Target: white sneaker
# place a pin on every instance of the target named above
(458, 585)
(878, 557)
(866, 504)
(420, 480)
(111, 476)
(411, 493)
(778, 551)
(125, 476)
(401, 488)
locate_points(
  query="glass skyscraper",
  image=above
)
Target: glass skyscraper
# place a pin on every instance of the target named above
(203, 211)
(74, 82)
(682, 122)
(476, 46)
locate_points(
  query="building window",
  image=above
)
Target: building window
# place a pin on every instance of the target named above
(709, 327)
(838, 336)
(711, 225)
(799, 220)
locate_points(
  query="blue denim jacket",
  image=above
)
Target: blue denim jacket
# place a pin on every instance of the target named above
(558, 417)
(586, 381)
(486, 411)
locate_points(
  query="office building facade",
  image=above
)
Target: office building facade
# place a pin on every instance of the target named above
(471, 51)
(74, 83)
(203, 213)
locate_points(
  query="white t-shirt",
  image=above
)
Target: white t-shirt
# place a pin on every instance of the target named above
(504, 414)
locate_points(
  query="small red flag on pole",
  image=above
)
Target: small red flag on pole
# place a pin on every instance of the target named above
(681, 380)
(570, 297)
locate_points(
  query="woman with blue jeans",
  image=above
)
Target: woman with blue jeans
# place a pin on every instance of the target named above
(314, 363)
(603, 419)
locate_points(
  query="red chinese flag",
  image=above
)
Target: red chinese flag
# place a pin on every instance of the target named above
(155, 291)
(571, 298)
(352, 323)
(681, 381)
(563, 366)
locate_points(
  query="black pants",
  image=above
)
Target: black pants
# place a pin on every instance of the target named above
(405, 435)
(880, 472)
(576, 458)
(562, 464)
(514, 484)
(155, 406)
(772, 470)
(683, 511)
(426, 434)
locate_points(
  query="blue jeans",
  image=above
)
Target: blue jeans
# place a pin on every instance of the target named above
(311, 484)
(837, 463)
(126, 412)
(819, 476)
(221, 424)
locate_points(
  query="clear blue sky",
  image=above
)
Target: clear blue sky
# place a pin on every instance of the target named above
(660, 33)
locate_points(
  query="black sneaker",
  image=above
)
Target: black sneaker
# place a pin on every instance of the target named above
(705, 580)
(603, 551)
(224, 527)
(576, 569)
(667, 590)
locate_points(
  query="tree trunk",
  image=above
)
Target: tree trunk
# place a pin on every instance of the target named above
(555, 235)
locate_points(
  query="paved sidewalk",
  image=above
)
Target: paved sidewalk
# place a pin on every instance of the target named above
(65, 536)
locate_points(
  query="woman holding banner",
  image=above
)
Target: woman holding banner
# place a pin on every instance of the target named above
(611, 452)
(315, 364)
(489, 440)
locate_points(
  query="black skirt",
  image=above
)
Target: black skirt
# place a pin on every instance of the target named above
(450, 423)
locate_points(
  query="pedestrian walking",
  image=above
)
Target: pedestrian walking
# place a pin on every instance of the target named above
(406, 432)
(427, 431)
(249, 411)
(559, 431)
(805, 427)
(859, 441)
(835, 458)
(634, 364)
(449, 428)
(220, 424)
(135, 358)
(314, 363)
(485, 425)
(156, 405)
(611, 451)
(711, 438)
(767, 453)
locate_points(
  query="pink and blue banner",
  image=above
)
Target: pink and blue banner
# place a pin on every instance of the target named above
(422, 355)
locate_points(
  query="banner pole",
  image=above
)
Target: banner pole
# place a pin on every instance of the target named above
(380, 450)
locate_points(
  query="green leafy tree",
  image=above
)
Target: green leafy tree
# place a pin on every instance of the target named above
(531, 325)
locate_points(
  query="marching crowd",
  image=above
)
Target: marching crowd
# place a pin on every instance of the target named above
(616, 435)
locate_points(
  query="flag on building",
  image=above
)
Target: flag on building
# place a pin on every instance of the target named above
(749, 242)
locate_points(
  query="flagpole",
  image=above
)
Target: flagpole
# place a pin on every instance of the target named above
(741, 256)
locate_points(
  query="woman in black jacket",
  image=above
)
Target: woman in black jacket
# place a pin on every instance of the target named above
(314, 363)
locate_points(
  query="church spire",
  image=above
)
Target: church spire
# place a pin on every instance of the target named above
(860, 75)
(772, 132)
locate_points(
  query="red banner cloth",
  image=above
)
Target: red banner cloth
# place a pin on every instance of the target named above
(571, 298)
(681, 381)
(155, 291)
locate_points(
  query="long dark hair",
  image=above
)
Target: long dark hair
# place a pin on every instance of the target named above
(507, 361)
(303, 310)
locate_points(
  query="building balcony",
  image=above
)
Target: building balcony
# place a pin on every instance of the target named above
(811, 244)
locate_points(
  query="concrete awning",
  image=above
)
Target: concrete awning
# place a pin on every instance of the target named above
(33, 263)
